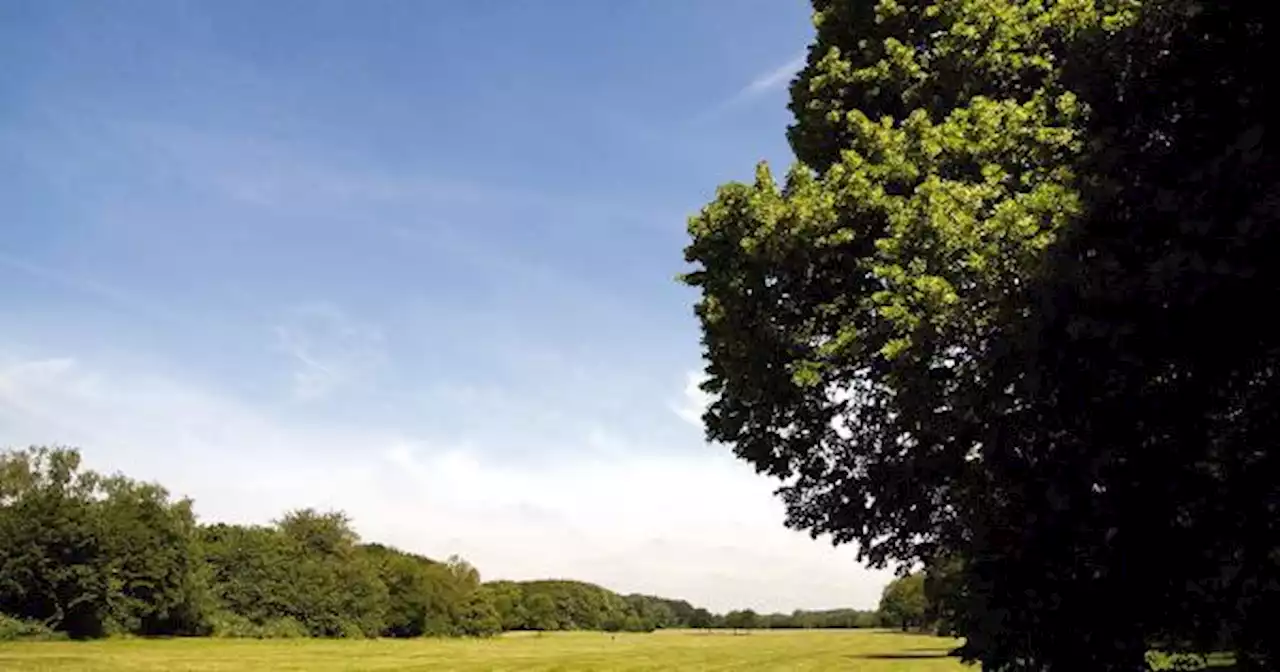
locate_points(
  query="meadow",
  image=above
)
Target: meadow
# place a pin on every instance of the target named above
(862, 650)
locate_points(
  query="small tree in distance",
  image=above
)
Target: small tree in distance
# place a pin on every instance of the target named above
(744, 619)
(701, 619)
(903, 602)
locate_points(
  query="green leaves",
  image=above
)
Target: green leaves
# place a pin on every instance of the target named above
(307, 568)
(941, 147)
(998, 314)
(903, 602)
(88, 554)
(94, 555)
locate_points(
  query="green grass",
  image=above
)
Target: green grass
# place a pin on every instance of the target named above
(862, 650)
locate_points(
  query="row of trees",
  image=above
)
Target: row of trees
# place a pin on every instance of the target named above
(801, 619)
(92, 555)
(1001, 321)
(574, 605)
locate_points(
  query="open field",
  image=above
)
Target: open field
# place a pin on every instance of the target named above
(862, 650)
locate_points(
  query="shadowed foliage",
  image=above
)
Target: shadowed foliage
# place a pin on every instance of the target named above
(1001, 322)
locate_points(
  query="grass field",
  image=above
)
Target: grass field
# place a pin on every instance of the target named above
(867, 651)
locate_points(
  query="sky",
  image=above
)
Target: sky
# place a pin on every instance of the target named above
(410, 260)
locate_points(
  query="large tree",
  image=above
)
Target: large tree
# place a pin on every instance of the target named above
(306, 568)
(844, 311)
(158, 581)
(90, 554)
(94, 554)
(425, 597)
(998, 317)
(1148, 396)
(52, 555)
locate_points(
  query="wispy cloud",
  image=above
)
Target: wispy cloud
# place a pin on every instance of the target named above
(772, 79)
(763, 83)
(329, 349)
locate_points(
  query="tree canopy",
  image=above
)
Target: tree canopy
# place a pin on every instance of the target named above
(91, 555)
(999, 318)
(844, 310)
(903, 602)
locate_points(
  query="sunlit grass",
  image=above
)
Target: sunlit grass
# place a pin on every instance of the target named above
(866, 651)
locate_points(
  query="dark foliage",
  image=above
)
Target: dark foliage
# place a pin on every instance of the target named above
(830, 618)
(1139, 387)
(90, 555)
(1005, 323)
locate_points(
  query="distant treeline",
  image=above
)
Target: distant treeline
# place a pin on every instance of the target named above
(574, 605)
(88, 555)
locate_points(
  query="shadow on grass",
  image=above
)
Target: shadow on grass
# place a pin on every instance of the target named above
(901, 655)
(909, 653)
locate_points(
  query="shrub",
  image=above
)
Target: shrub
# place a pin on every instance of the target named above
(232, 625)
(282, 628)
(13, 629)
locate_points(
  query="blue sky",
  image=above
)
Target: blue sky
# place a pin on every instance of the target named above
(413, 260)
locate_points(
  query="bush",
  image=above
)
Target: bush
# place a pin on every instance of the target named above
(439, 628)
(232, 625)
(633, 623)
(282, 628)
(13, 629)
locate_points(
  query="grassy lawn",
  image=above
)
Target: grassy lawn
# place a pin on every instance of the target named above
(866, 651)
